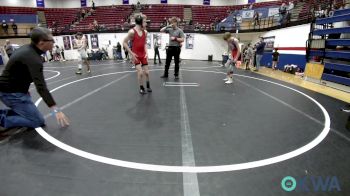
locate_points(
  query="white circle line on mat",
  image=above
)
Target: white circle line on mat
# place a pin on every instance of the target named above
(194, 169)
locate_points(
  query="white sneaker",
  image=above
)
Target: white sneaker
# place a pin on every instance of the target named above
(229, 81)
(225, 79)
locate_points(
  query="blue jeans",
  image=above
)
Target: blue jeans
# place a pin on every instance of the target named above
(22, 112)
(258, 59)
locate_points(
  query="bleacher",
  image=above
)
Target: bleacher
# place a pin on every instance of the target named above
(62, 16)
(17, 10)
(157, 13)
(207, 14)
(334, 50)
(108, 16)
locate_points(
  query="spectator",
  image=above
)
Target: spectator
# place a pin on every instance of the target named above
(54, 26)
(62, 53)
(248, 56)
(197, 27)
(5, 26)
(283, 12)
(290, 6)
(251, 6)
(93, 5)
(14, 28)
(91, 27)
(275, 58)
(95, 25)
(260, 46)
(8, 48)
(126, 54)
(165, 22)
(119, 51)
(256, 19)
(156, 46)
(83, 13)
(138, 5)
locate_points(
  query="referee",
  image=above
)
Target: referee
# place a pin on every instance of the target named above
(176, 36)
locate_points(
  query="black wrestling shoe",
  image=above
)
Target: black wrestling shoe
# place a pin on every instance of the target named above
(142, 91)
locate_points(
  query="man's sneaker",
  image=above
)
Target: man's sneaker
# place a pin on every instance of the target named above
(176, 77)
(9, 132)
(346, 109)
(163, 76)
(13, 130)
(149, 90)
(142, 91)
(88, 71)
(225, 79)
(229, 81)
(78, 72)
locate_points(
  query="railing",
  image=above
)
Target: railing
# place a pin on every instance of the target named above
(21, 32)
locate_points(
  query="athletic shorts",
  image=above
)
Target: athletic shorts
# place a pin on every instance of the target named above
(230, 65)
(143, 61)
(83, 55)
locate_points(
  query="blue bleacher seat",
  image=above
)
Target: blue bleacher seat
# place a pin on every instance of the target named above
(336, 79)
(339, 18)
(337, 66)
(338, 42)
(332, 31)
(341, 12)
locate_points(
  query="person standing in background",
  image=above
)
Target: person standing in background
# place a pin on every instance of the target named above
(275, 57)
(81, 43)
(8, 48)
(14, 28)
(156, 52)
(259, 47)
(176, 36)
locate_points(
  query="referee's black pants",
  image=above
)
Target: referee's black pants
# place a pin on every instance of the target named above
(173, 51)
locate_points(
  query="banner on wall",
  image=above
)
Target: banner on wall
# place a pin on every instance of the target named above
(40, 3)
(74, 44)
(248, 14)
(189, 40)
(273, 11)
(66, 43)
(164, 1)
(149, 41)
(125, 2)
(270, 42)
(206, 2)
(94, 41)
(157, 40)
(83, 3)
